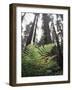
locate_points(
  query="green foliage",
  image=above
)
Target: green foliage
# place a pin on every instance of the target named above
(40, 61)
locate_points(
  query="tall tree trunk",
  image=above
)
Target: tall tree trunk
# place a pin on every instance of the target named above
(34, 34)
(46, 30)
(60, 56)
(22, 39)
(29, 39)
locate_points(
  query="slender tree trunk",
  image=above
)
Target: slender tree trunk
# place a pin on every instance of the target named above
(22, 18)
(35, 29)
(22, 39)
(60, 56)
(60, 50)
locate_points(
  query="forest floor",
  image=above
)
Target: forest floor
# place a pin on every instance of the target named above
(40, 61)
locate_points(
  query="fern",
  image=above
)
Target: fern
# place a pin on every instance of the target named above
(40, 61)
